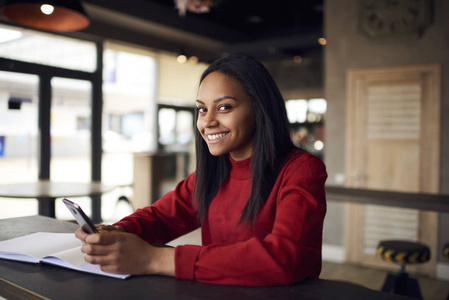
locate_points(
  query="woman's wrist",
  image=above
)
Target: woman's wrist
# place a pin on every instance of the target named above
(162, 261)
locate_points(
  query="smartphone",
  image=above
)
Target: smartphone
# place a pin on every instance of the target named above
(81, 218)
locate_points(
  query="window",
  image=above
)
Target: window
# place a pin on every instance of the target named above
(47, 49)
(307, 123)
(176, 127)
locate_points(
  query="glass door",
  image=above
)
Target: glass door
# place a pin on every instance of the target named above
(70, 130)
(129, 114)
(62, 109)
(18, 137)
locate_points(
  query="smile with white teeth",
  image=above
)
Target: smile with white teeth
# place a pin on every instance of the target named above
(213, 137)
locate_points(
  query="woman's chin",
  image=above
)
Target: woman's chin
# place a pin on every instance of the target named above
(216, 152)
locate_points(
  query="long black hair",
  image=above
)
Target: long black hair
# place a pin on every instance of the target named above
(272, 140)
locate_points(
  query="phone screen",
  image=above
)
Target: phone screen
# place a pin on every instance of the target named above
(81, 218)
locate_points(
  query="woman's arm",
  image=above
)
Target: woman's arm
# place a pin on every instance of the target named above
(168, 218)
(124, 247)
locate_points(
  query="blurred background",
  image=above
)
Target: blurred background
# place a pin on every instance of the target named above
(365, 84)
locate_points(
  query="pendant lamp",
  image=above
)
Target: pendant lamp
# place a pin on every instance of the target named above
(51, 15)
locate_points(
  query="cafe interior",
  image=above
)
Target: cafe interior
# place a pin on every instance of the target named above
(103, 91)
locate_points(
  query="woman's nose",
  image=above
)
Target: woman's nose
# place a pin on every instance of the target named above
(210, 120)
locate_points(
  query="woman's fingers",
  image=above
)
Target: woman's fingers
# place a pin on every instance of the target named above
(102, 228)
(95, 249)
(81, 235)
(118, 252)
(105, 259)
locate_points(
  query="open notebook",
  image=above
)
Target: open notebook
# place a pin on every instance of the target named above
(60, 249)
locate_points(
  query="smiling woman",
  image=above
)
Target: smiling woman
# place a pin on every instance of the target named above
(259, 201)
(225, 116)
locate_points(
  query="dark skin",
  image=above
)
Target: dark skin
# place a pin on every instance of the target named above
(117, 251)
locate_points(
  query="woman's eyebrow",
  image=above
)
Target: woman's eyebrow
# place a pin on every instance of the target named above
(219, 99)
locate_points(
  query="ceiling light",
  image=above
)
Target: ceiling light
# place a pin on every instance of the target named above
(322, 41)
(47, 9)
(297, 59)
(51, 15)
(181, 58)
(193, 59)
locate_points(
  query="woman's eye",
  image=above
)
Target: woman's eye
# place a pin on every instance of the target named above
(224, 107)
(201, 110)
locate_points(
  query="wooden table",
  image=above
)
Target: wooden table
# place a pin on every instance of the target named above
(46, 193)
(29, 281)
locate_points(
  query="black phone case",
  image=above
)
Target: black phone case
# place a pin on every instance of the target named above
(81, 218)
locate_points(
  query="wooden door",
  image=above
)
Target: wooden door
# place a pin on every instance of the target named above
(393, 142)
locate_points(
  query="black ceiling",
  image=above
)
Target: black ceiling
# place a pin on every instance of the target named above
(256, 19)
(268, 30)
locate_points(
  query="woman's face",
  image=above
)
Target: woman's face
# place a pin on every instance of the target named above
(225, 116)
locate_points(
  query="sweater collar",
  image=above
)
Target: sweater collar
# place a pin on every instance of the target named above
(240, 169)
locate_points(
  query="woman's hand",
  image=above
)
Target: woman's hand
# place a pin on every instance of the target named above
(120, 252)
(82, 235)
(109, 228)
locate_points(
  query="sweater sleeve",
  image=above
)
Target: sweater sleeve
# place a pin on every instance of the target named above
(290, 253)
(168, 218)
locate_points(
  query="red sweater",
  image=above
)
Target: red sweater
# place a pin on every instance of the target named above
(283, 247)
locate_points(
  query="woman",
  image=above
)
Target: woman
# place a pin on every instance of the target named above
(259, 201)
